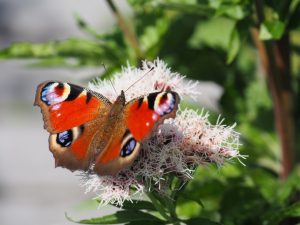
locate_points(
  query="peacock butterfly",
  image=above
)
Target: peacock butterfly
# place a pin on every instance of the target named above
(87, 131)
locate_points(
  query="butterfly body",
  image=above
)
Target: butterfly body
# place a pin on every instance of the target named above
(87, 129)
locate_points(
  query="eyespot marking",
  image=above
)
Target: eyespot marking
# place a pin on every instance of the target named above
(54, 92)
(129, 147)
(65, 138)
(164, 103)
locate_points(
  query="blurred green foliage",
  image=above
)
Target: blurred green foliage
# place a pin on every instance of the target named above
(207, 40)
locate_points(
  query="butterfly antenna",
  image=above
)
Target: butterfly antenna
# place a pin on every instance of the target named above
(152, 68)
(112, 84)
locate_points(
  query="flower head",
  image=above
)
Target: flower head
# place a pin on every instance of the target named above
(178, 146)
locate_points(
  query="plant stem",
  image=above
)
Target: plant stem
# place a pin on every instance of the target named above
(128, 33)
(275, 58)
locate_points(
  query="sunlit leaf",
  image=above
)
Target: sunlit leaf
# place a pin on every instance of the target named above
(271, 30)
(68, 48)
(236, 12)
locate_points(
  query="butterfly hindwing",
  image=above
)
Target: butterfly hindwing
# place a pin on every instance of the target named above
(119, 153)
(71, 148)
(65, 105)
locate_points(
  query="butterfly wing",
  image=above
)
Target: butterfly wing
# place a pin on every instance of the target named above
(145, 114)
(65, 105)
(139, 119)
(72, 115)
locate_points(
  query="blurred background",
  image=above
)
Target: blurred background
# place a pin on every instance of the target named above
(246, 55)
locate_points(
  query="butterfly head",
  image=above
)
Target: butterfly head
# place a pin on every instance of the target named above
(121, 99)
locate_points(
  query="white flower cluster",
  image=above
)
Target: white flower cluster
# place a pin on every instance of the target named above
(179, 145)
(157, 79)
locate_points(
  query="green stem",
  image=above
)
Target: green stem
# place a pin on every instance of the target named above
(128, 33)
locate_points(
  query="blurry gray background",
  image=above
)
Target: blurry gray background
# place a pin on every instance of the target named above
(32, 191)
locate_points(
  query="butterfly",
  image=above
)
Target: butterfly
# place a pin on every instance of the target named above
(87, 131)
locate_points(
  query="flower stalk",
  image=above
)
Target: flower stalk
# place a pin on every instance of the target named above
(128, 33)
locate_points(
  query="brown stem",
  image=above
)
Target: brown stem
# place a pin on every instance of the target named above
(275, 58)
(129, 34)
(287, 123)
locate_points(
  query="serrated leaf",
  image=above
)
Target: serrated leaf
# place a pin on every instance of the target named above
(202, 221)
(124, 216)
(271, 30)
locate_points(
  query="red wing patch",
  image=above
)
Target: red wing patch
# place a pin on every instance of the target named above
(71, 148)
(143, 115)
(65, 106)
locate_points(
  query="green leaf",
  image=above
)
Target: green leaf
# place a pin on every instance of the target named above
(293, 17)
(242, 205)
(120, 217)
(214, 32)
(236, 12)
(147, 222)
(138, 205)
(278, 215)
(271, 30)
(199, 220)
(287, 190)
(234, 45)
(84, 26)
(69, 48)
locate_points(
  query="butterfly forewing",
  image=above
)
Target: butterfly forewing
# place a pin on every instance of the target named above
(72, 115)
(65, 105)
(143, 115)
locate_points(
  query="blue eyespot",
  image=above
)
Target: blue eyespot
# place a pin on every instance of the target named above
(128, 147)
(65, 138)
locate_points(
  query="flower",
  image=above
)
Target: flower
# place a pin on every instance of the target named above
(158, 78)
(178, 146)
